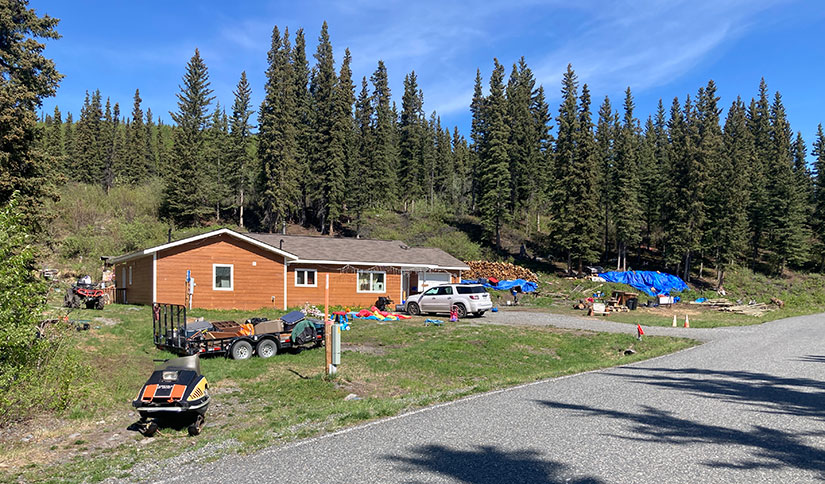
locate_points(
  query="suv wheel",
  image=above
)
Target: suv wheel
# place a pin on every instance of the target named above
(413, 309)
(462, 311)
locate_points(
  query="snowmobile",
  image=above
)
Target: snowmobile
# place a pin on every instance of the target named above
(176, 394)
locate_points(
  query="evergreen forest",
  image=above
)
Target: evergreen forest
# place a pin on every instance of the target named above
(590, 180)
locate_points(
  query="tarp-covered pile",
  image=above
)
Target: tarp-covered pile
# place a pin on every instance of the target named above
(526, 286)
(651, 282)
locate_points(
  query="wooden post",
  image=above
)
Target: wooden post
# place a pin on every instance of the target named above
(327, 328)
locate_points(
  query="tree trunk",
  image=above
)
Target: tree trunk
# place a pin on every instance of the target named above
(331, 228)
(618, 256)
(606, 237)
(702, 264)
(720, 277)
(686, 277)
(498, 236)
(240, 221)
(569, 262)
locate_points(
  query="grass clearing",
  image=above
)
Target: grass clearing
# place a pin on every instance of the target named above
(391, 367)
(802, 293)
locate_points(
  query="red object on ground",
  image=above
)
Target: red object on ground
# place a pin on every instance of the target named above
(639, 330)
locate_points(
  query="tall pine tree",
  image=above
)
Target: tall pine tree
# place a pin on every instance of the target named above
(185, 200)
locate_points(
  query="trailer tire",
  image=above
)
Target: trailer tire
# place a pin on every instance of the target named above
(266, 348)
(241, 350)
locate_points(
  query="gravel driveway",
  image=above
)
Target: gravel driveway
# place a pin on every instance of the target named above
(747, 406)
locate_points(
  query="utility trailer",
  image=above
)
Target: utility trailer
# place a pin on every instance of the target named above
(173, 333)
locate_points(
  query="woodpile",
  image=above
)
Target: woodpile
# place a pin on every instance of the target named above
(498, 270)
(755, 310)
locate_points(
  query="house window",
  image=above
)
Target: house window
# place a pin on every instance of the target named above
(305, 278)
(123, 276)
(222, 277)
(371, 281)
(130, 275)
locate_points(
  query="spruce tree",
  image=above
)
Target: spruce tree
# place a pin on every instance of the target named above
(585, 247)
(358, 199)
(151, 149)
(385, 142)
(565, 181)
(137, 169)
(477, 135)
(606, 159)
(216, 149)
(334, 182)
(238, 159)
(304, 127)
(759, 125)
(627, 209)
(731, 235)
(709, 156)
(540, 162)
(411, 132)
(185, 200)
(277, 184)
(495, 163)
(818, 223)
(68, 147)
(328, 161)
(786, 218)
(88, 161)
(26, 78)
(523, 144)
(108, 133)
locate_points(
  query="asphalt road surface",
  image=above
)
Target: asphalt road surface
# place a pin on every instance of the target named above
(747, 406)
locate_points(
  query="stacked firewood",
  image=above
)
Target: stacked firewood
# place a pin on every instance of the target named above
(498, 270)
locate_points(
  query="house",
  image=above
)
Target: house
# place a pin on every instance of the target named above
(225, 269)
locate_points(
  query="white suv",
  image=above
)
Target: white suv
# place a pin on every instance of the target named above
(468, 298)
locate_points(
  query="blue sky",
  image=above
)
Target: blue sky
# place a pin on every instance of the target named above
(660, 49)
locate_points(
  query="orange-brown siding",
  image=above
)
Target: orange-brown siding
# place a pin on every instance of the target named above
(253, 286)
(140, 289)
(343, 288)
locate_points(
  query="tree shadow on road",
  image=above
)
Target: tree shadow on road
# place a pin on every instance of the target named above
(812, 358)
(488, 465)
(770, 448)
(804, 397)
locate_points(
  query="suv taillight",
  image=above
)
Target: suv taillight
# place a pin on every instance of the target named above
(473, 297)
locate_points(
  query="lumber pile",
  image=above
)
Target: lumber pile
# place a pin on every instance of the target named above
(755, 310)
(498, 270)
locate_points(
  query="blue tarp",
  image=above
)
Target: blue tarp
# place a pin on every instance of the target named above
(526, 286)
(651, 282)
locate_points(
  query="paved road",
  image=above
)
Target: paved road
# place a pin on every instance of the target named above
(747, 406)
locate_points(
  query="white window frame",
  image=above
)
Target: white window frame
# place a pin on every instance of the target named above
(231, 277)
(371, 291)
(305, 278)
(130, 275)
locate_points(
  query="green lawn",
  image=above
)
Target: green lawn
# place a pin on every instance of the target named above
(391, 367)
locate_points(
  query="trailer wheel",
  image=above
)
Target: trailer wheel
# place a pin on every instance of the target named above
(241, 350)
(266, 348)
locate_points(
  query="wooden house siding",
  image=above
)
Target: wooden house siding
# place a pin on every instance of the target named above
(343, 287)
(140, 289)
(257, 275)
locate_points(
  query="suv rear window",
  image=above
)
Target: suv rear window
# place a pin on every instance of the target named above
(470, 289)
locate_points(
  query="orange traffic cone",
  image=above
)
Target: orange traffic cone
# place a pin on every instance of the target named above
(639, 331)
(687, 321)
(674, 320)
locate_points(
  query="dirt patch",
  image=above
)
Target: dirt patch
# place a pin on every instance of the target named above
(368, 349)
(107, 321)
(370, 389)
(539, 351)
